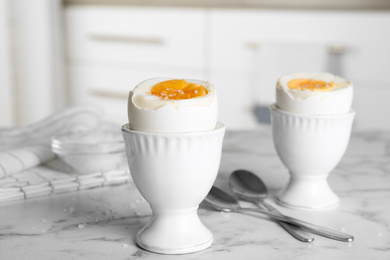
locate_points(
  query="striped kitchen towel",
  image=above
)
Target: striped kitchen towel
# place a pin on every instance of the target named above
(45, 181)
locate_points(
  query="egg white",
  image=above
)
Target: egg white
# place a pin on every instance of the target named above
(336, 101)
(150, 113)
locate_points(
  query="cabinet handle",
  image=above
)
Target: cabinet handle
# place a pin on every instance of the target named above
(126, 39)
(109, 94)
(253, 46)
(337, 49)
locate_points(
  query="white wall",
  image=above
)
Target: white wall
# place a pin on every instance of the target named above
(6, 93)
(31, 60)
(35, 58)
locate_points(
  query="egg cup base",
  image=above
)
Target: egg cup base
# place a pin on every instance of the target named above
(308, 194)
(175, 251)
(305, 207)
(164, 235)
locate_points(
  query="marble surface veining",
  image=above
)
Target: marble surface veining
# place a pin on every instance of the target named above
(102, 223)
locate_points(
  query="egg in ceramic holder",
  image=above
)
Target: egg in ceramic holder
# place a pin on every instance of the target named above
(311, 140)
(173, 166)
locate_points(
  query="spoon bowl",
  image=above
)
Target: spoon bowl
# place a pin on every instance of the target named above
(220, 200)
(249, 187)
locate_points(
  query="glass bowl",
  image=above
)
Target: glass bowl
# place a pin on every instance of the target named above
(90, 152)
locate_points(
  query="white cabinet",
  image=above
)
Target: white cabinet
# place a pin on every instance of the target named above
(243, 52)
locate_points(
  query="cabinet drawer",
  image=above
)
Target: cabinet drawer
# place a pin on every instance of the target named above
(371, 102)
(234, 100)
(90, 80)
(162, 36)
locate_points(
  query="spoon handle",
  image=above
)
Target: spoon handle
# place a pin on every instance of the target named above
(293, 230)
(313, 228)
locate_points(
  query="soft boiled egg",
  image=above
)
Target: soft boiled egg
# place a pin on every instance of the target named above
(173, 105)
(314, 93)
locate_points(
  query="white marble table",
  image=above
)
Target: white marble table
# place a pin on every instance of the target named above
(102, 223)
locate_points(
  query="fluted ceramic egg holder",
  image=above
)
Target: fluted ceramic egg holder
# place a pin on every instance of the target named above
(310, 146)
(174, 172)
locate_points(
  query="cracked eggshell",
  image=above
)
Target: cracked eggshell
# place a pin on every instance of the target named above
(335, 101)
(150, 113)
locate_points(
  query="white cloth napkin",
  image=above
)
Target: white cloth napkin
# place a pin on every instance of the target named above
(18, 159)
(28, 167)
(24, 147)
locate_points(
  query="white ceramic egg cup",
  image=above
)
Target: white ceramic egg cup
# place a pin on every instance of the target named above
(310, 146)
(174, 172)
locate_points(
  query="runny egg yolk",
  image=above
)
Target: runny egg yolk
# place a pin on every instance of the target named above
(311, 84)
(177, 89)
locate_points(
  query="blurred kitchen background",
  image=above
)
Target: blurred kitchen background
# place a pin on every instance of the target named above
(57, 53)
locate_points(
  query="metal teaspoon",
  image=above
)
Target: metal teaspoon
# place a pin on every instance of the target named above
(249, 187)
(223, 201)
